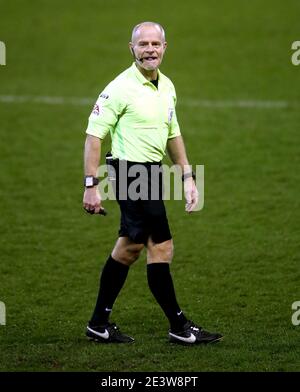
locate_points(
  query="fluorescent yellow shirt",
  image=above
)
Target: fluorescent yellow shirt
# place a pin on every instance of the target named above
(140, 117)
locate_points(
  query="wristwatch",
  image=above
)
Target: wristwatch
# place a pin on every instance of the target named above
(188, 175)
(90, 181)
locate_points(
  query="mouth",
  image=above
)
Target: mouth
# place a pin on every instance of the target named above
(150, 58)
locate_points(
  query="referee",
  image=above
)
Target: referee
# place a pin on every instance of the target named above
(138, 110)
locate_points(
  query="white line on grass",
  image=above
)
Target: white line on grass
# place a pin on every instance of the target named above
(46, 99)
(237, 104)
(204, 103)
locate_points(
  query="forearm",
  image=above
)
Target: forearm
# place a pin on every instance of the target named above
(177, 153)
(178, 156)
(92, 152)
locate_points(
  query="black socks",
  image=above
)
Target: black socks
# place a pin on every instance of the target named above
(112, 280)
(161, 285)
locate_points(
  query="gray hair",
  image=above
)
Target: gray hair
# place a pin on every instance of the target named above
(135, 29)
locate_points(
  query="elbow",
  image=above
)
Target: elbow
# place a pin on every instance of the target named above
(92, 141)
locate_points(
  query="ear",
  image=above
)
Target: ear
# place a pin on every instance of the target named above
(165, 45)
(131, 48)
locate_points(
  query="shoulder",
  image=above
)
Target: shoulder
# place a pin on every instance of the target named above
(167, 81)
(169, 86)
(119, 82)
(117, 88)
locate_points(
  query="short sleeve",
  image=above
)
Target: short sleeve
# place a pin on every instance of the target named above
(106, 112)
(174, 129)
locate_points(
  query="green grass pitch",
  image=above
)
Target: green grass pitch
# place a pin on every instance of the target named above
(236, 265)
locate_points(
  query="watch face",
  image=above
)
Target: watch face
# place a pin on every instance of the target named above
(89, 181)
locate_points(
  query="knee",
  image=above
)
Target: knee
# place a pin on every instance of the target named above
(162, 252)
(133, 252)
(128, 254)
(169, 252)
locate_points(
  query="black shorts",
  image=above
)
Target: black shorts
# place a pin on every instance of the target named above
(145, 216)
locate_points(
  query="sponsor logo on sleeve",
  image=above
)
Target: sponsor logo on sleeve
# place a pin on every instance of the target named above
(96, 110)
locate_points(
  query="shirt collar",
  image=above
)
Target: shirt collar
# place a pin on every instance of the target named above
(140, 76)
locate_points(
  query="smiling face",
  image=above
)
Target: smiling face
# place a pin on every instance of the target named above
(148, 46)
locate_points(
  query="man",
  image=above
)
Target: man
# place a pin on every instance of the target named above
(138, 109)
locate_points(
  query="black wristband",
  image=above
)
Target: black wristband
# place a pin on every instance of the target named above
(188, 175)
(90, 181)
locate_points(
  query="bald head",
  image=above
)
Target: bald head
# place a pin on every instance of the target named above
(148, 46)
(137, 29)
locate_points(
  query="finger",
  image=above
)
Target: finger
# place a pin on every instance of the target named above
(97, 206)
(195, 200)
(90, 211)
(188, 197)
(188, 207)
(88, 204)
(89, 208)
(97, 209)
(195, 196)
(191, 206)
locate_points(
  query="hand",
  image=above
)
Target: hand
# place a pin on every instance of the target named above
(92, 200)
(191, 194)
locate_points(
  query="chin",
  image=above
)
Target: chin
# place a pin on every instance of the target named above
(150, 67)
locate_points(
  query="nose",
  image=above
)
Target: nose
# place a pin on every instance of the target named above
(150, 48)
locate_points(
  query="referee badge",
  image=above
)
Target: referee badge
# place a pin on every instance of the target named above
(170, 115)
